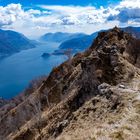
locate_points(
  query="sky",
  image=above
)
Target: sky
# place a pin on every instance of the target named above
(37, 17)
(96, 3)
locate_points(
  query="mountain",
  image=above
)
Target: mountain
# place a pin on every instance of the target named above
(77, 44)
(93, 95)
(12, 42)
(135, 31)
(59, 36)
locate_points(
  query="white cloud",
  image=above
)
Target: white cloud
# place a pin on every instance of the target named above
(128, 11)
(11, 13)
(68, 18)
(70, 15)
(129, 4)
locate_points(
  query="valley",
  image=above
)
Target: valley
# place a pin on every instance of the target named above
(93, 95)
(70, 70)
(22, 66)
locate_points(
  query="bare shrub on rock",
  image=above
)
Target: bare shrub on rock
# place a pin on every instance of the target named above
(35, 84)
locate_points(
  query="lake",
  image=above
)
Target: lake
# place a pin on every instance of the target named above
(18, 70)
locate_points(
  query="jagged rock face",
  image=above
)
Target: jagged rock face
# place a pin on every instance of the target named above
(117, 41)
(51, 109)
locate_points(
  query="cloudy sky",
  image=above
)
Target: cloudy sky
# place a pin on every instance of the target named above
(36, 17)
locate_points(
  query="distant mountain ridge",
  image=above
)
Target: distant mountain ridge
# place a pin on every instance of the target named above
(12, 42)
(60, 36)
(135, 31)
(79, 43)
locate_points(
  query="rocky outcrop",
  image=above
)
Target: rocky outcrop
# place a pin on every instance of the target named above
(82, 96)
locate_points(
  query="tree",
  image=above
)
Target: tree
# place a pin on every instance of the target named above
(35, 84)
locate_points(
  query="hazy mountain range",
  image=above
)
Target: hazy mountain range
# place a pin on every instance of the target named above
(79, 43)
(60, 36)
(12, 42)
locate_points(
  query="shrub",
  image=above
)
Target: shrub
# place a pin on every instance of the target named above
(34, 84)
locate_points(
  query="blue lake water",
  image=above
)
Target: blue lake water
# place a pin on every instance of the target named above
(19, 69)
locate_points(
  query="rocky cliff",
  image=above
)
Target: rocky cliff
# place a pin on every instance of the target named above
(94, 95)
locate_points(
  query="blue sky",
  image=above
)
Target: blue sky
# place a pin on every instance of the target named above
(36, 17)
(96, 3)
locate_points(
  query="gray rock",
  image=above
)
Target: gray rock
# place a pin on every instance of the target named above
(105, 90)
(122, 86)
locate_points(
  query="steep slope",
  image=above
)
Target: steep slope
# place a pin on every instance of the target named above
(12, 42)
(114, 115)
(60, 36)
(94, 95)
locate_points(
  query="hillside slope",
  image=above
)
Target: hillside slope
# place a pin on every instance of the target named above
(95, 95)
(12, 42)
(77, 44)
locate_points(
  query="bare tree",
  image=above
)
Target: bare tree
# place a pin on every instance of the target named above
(36, 104)
(46, 93)
(35, 84)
